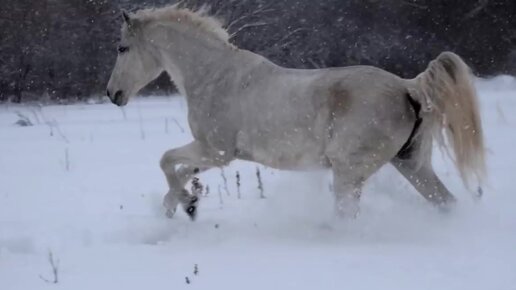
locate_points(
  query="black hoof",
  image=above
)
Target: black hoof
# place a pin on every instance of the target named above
(191, 211)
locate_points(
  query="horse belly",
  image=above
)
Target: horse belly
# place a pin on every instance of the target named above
(292, 153)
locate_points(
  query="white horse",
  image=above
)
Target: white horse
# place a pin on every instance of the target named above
(351, 120)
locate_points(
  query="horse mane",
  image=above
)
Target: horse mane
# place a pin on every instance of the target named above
(197, 19)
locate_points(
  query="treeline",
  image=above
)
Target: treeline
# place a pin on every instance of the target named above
(65, 49)
(55, 49)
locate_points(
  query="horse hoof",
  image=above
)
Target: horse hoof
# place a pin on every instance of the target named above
(348, 215)
(191, 211)
(170, 213)
(446, 208)
(347, 211)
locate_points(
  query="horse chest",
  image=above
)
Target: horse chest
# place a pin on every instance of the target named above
(212, 126)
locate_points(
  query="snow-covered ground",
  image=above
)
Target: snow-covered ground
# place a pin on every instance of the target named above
(84, 183)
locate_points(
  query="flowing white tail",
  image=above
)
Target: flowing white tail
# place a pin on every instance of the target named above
(451, 114)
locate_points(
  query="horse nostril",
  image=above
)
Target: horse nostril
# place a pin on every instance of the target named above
(118, 98)
(118, 94)
(108, 93)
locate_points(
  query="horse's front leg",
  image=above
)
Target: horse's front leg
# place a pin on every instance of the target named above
(193, 158)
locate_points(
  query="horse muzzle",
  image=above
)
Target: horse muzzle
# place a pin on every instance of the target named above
(118, 98)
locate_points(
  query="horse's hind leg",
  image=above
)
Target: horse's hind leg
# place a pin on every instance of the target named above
(348, 180)
(351, 167)
(194, 159)
(424, 180)
(347, 188)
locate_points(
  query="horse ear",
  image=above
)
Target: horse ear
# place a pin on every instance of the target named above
(126, 17)
(131, 21)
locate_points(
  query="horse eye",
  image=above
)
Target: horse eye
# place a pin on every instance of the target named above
(122, 49)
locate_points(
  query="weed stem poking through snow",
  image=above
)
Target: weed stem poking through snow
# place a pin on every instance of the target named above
(221, 202)
(260, 184)
(238, 185)
(54, 264)
(223, 174)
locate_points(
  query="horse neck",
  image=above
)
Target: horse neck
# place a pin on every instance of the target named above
(192, 60)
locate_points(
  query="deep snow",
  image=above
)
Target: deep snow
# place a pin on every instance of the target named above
(84, 183)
